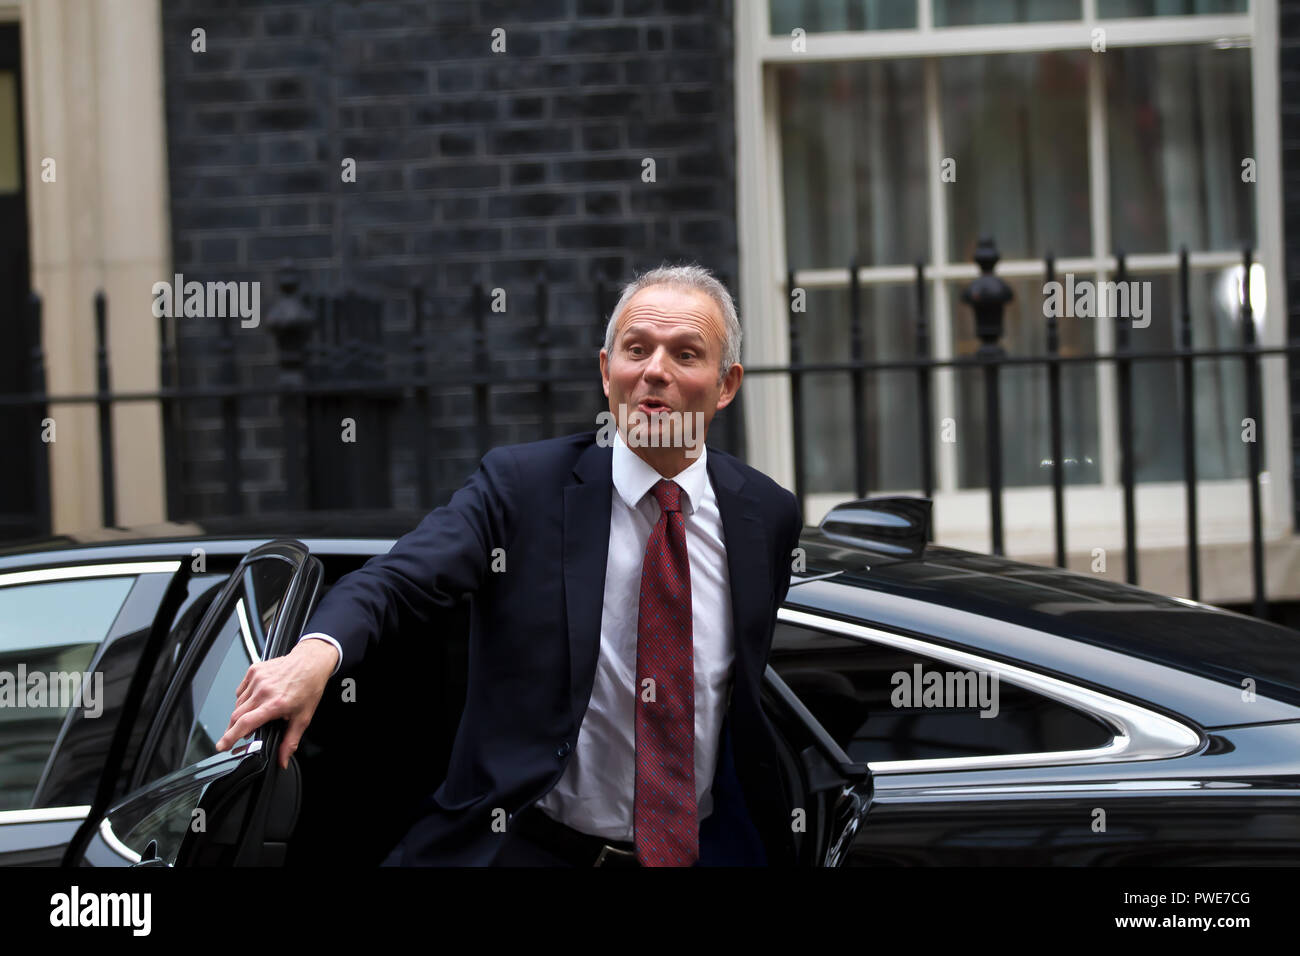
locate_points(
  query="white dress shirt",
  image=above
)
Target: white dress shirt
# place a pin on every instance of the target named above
(595, 795)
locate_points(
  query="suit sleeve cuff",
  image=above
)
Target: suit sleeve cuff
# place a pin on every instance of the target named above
(325, 637)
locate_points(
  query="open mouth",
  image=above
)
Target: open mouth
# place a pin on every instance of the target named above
(654, 406)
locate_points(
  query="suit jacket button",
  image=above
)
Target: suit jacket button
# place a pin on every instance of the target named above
(563, 750)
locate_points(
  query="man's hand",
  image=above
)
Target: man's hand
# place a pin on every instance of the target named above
(289, 687)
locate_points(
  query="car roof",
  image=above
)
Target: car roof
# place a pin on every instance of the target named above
(362, 525)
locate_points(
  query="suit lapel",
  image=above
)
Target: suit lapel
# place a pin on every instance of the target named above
(586, 550)
(747, 558)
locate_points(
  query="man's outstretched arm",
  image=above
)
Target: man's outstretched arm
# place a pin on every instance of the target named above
(433, 566)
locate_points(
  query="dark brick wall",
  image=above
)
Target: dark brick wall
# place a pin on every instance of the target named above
(471, 166)
(1289, 78)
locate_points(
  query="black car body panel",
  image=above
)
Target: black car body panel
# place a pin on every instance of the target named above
(1206, 771)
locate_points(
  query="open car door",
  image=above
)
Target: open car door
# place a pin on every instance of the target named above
(831, 792)
(186, 804)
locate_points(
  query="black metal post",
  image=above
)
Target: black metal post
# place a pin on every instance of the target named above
(1054, 416)
(925, 413)
(796, 391)
(290, 321)
(1189, 424)
(858, 382)
(988, 296)
(104, 403)
(352, 361)
(327, 482)
(39, 413)
(1254, 410)
(167, 415)
(1124, 381)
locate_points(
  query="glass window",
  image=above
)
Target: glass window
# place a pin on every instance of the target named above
(1016, 127)
(873, 700)
(1220, 383)
(1167, 8)
(1014, 147)
(890, 404)
(48, 636)
(823, 16)
(191, 730)
(1179, 128)
(1026, 428)
(853, 160)
(164, 819)
(961, 13)
(74, 773)
(201, 714)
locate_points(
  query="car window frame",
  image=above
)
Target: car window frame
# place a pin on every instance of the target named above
(134, 569)
(235, 590)
(1138, 733)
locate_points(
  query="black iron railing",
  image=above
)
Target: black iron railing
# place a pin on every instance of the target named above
(332, 360)
(988, 296)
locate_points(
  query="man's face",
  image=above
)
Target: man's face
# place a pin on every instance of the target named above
(666, 354)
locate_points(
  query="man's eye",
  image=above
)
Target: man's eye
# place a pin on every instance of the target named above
(688, 355)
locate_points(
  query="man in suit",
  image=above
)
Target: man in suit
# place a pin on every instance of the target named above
(624, 586)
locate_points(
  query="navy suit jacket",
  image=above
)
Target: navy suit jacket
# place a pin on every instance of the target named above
(543, 510)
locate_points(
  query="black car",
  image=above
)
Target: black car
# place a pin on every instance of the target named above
(932, 706)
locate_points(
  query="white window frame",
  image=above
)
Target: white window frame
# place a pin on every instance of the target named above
(1094, 512)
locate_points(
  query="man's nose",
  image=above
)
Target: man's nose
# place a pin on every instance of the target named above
(657, 366)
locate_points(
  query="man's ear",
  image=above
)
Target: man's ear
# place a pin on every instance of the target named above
(730, 385)
(604, 371)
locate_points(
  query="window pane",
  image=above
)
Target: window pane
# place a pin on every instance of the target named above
(51, 628)
(826, 16)
(265, 584)
(1017, 127)
(1220, 382)
(215, 707)
(890, 407)
(1026, 427)
(167, 820)
(188, 735)
(867, 698)
(202, 712)
(1167, 8)
(1179, 130)
(961, 13)
(853, 157)
(74, 774)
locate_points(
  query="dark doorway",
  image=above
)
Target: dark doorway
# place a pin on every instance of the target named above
(17, 437)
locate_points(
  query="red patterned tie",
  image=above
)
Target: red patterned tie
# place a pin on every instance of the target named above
(665, 820)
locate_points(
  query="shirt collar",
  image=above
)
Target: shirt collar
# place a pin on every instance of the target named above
(633, 477)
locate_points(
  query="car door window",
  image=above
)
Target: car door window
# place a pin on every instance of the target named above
(200, 711)
(881, 703)
(75, 766)
(163, 819)
(49, 632)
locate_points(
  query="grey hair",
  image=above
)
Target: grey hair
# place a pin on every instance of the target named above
(695, 278)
